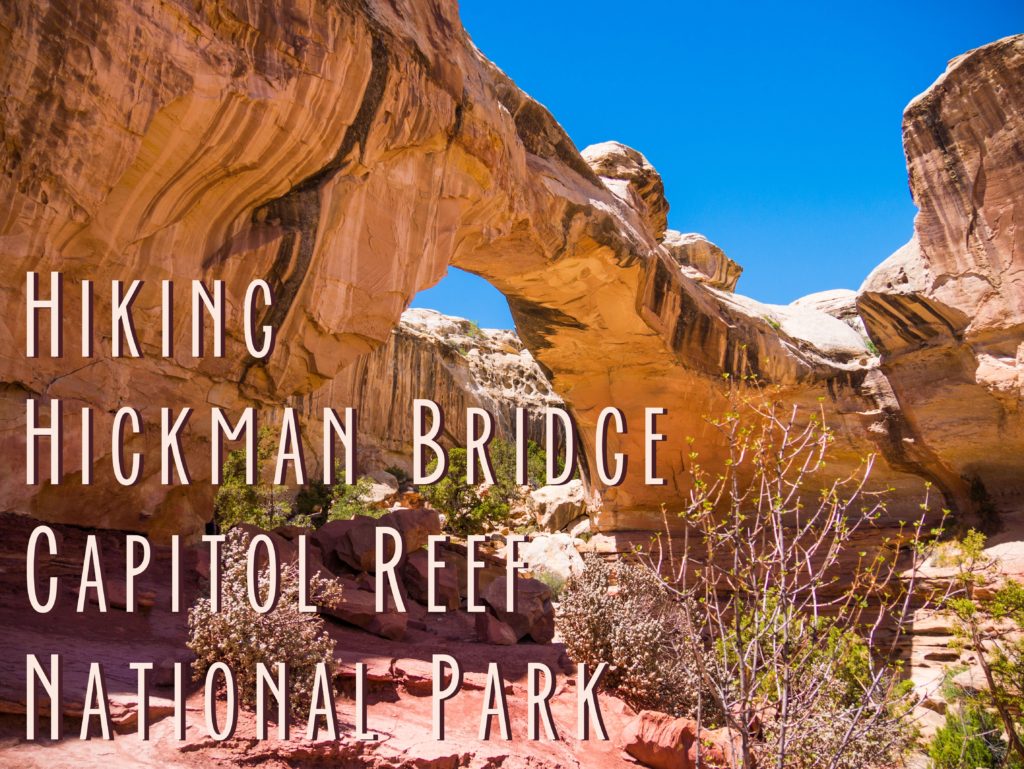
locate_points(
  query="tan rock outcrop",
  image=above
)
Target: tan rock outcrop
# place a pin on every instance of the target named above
(840, 303)
(702, 260)
(632, 179)
(347, 153)
(555, 507)
(947, 310)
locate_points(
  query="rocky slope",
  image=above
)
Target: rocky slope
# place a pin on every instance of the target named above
(349, 152)
(396, 648)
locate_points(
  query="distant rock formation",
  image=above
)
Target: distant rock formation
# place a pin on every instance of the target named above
(452, 362)
(348, 153)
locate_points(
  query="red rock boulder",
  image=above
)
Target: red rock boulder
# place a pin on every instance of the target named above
(661, 741)
(532, 615)
(354, 542)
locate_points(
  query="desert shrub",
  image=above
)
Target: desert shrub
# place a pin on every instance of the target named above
(240, 637)
(472, 509)
(636, 628)
(262, 504)
(845, 707)
(970, 738)
(351, 500)
(1000, 655)
(797, 623)
(556, 582)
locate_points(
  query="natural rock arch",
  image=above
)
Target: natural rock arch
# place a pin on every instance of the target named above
(349, 154)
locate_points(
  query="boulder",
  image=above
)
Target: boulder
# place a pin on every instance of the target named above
(491, 630)
(354, 542)
(554, 507)
(661, 741)
(580, 527)
(328, 537)
(552, 553)
(414, 575)
(415, 526)
(285, 540)
(357, 607)
(454, 556)
(383, 488)
(532, 615)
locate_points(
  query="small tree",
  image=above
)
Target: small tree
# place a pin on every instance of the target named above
(470, 509)
(467, 509)
(262, 504)
(773, 581)
(351, 500)
(240, 637)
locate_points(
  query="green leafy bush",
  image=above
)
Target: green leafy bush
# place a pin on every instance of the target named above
(240, 637)
(470, 509)
(268, 506)
(466, 508)
(351, 500)
(503, 459)
(262, 504)
(969, 739)
(1000, 656)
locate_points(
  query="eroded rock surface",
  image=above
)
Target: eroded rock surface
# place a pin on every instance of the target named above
(947, 310)
(348, 153)
(702, 260)
(450, 361)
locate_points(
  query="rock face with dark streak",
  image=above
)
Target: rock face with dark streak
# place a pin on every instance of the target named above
(947, 310)
(452, 362)
(349, 152)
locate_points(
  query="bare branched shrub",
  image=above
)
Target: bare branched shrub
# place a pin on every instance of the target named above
(623, 615)
(240, 637)
(787, 576)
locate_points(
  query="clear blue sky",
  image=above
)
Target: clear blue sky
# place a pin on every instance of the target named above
(775, 127)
